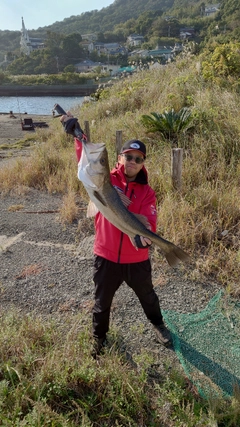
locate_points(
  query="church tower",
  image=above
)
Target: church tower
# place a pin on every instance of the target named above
(28, 44)
(25, 43)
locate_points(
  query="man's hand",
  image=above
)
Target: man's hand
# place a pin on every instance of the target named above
(66, 117)
(140, 242)
(72, 127)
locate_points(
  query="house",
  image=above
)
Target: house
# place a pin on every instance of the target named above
(112, 69)
(126, 70)
(178, 47)
(98, 46)
(89, 37)
(135, 40)
(161, 52)
(115, 49)
(107, 48)
(28, 44)
(141, 53)
(211, 10)
(85, 45)
(187, 33)
(86, 66)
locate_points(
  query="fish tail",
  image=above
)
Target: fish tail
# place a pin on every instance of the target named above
(176, 255)
(172, 253)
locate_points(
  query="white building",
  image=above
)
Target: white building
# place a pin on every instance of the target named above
(28, 44)
(135, 40)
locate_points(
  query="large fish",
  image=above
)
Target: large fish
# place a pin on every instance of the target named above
(94, 172)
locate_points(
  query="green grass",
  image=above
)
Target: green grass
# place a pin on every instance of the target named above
(22, 143)
(48, 378)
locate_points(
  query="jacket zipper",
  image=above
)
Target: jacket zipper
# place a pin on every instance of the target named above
(121, 238)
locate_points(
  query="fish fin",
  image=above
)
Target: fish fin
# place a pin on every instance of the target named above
(92, 209)
(124, 199)
(126, 202)
(176, 255)
(143, 219)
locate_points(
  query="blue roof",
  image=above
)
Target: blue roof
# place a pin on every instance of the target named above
(127, 69)
(160, 51)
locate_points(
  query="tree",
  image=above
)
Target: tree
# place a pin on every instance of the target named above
(71, 51)
(53, 42)
(101, 37)
(69, 69)
(144, 22)
(223, 62)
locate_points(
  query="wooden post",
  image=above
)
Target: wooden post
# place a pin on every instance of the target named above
(87, 130)
(118, 142)
(177, 156)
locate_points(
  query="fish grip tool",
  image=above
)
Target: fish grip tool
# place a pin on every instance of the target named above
(77, 131)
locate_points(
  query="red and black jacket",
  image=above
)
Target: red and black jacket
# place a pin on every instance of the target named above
(110, 242)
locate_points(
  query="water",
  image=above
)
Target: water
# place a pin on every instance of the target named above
(37, 104)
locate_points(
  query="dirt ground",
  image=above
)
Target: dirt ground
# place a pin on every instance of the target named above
(11, 132)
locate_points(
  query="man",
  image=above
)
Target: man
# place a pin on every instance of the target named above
(117, 258)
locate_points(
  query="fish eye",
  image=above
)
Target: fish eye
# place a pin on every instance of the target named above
(102, 161)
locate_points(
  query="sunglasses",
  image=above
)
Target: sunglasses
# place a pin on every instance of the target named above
(129, 158)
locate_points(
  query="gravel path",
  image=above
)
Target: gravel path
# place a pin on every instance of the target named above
(46, 267)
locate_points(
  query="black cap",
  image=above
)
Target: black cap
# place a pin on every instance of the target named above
(134, 144)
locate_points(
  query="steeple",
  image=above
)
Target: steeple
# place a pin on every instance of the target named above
(25, 41)
(23, 26)
(28, 44)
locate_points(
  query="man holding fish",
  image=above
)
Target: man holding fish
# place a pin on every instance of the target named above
(124, 206)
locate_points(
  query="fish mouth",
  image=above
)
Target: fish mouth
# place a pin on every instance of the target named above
(93, 148)
(93, 151)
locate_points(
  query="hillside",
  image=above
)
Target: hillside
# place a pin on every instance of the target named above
(124, 17)
(118, 12)
(93, 21)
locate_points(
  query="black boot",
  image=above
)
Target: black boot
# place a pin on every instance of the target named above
(163, 334)
(98, 346)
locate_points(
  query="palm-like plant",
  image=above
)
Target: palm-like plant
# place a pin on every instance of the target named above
(170, 123)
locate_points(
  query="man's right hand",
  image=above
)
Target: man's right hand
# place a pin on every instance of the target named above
(71, 125)
(140, 242)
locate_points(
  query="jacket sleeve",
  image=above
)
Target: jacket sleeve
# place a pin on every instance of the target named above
(78, 148)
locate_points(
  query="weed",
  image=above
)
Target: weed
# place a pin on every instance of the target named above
(47, 377)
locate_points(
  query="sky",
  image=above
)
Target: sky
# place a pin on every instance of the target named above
(40, 13)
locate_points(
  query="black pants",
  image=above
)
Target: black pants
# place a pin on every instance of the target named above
(108, 276)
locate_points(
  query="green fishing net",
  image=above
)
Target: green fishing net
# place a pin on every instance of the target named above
(208, 345)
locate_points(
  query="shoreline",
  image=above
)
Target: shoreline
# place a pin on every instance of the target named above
(48, 90)
(19, 115)
(7, 113)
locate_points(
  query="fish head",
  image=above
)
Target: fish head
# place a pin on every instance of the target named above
(93, 169)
